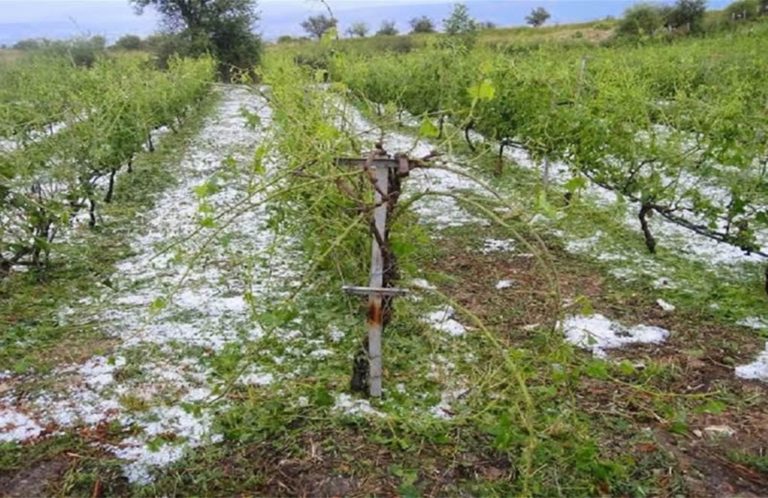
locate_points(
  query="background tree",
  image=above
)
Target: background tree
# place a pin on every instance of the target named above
(743, 10)
(358, 29)
(687, 14)
(387, 28)
(460, 22)
(128, 42)
(99, 42)
(80, 51)
(29, 44)
(222, 27)
(641, 19)
(486, 25)
(318, 25)
(424, 24)
(537, 17)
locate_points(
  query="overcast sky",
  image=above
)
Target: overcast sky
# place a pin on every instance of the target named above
(21, 19)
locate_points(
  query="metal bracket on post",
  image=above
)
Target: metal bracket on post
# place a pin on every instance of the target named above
(379, 168)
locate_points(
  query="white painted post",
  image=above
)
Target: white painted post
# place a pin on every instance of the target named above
(376, 301)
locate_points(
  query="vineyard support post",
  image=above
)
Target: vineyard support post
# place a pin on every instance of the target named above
(376, 301)
(379, 170)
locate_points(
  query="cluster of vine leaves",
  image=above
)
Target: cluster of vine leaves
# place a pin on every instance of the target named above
(681, 130)
(68, 131)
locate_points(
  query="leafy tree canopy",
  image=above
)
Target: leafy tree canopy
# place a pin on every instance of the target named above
(318, 25)
(460, 22)
(423, 24)
(537, 17)
(224, 28)
(642, 19)
(358, 29)
(387, 28)
(129, 42)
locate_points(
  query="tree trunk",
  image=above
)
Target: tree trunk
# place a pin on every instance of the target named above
(500, 159)
(360, 370)
(467, 129)
(650, 242)
(92, 213)
(111, 187)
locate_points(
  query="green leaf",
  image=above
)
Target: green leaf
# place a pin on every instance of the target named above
(206, 189)
(158, 304)
(428, 129)
(679, 427)
(258, 161)
(543, 205)
(408, 490)
(575, 183)
(205, 207)
(712, 406)
(762, 217)
(486, 67)
(585, 305)
(321, 76)
(597, 369)
(626, 367)
(329, 36)
(252, 120)
(484, 91)
(326, 132)
(229, 162)
(322, 398)
(207, 222)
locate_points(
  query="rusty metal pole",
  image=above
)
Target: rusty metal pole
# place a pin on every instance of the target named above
(376, 301)
(379, 170)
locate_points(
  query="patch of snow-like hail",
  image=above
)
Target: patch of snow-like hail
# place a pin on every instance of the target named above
(15, 426)
(348, 405)
(99, 372)
(494, 245)
(421, 283)
(505, 284)
(444, 409)
(206, 312)
(254, 377)
(683, 240)
(669, 307)
(754, 322)
(598, 333)
(336, 334)
(757, 370)
(442, 320)
(435, 184)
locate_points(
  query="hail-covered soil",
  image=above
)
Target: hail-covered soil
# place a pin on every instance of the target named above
(598, 334)
(686, 254)
(186, 294)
